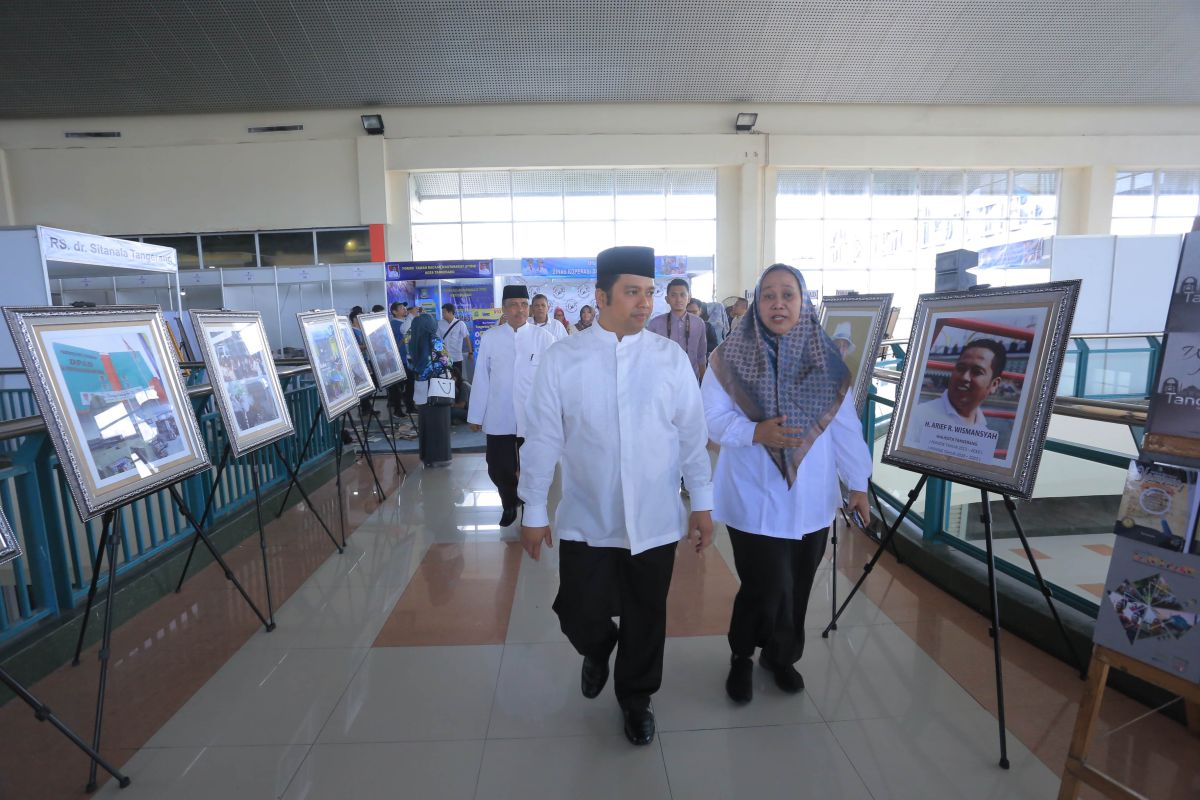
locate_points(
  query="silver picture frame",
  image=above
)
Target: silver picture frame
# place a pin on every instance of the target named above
(363, 385)
(381, 348)
(331, 373)
(982, 429)
(856, 323)
(246, 388)
(107, 383)
(10, 543)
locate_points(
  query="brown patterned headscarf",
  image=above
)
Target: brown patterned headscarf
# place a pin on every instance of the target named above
(799, 375)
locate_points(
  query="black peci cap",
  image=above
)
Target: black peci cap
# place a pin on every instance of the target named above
(628, 260)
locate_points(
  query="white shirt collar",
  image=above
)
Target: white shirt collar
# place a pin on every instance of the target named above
(948, 407)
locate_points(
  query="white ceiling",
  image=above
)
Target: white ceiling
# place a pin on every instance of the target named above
(75, 57)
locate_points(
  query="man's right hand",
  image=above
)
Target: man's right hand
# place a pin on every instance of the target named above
(476, 428)
(532, 539)
(772, 433)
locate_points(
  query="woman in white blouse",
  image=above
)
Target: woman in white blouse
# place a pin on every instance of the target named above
(777, 401)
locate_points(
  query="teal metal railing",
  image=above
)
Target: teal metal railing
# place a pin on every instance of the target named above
(52, 576)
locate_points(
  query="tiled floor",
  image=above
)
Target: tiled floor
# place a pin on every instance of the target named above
(426, 662)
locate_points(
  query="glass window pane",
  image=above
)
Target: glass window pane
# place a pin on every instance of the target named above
(485, 197)
(433, 242)
(487, 240)
(640, 194)
(587, 238)
(435, 197)
(648, 233)
(534, 239)
(1021, 230)
(691, 194)
(1133, 195)
(228, 250)
(898, 282)
(937, 235)
(986, 194)
(894, 195)
(981, 233)
(286, 249)
(537, 195)
(691, 238)
(1133, 226)
(187, 248)
(893, 244)
(351, 246)
(940, 194)
(1173, 224)
(847, 195)
(799, 243)
(798, 194)
(847, 244)
(1178, 194)
(588, 194)
(853, 280)
(1034, 196)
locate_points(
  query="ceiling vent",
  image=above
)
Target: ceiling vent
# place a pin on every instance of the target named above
(275, 129)
(93, 134)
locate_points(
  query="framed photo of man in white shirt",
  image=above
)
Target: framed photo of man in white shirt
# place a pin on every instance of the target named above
(979, 382)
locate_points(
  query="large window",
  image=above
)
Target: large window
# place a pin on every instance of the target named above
(881, 230)
(562, 212)
(267, 248)
(1155, 201)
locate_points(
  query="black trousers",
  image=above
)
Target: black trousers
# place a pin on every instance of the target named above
(503, 457)
(599, 583)
(777, 578)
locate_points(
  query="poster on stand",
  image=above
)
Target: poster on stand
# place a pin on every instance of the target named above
(482, 320)
(979, 383)
(363, 385)
(322, 344)
(108, 386)
(10, 545)
(438, 270)
(382, 348)
(242, 373)
(856, 325)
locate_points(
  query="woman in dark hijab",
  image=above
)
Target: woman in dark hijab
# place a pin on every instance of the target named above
(777, 401)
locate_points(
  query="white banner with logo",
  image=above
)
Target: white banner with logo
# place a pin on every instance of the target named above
(87, 248)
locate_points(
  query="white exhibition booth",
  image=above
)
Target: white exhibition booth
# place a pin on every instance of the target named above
(46, 266)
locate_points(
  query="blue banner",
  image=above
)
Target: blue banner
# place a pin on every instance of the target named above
(435, 270)
(664, 267)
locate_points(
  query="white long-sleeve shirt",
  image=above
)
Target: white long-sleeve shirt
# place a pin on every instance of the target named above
(504, 370)
(552, 327)
(750, 492)
(626, 420)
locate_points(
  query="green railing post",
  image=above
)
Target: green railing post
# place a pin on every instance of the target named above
(48, 559)
(1081, 368)
(868, 418)
(1152, 368)
(937, 507)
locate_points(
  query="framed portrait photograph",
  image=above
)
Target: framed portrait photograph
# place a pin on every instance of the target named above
(245, 385)
(979, 382)
(363, 385)
(10, 545)
(856, 324)
(323, 345)
(381, 348)
(108, 386)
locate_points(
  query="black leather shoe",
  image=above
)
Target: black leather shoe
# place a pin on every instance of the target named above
(508, 517)
(593, 677)
(740, 683)
(639, 725)
(787, 677)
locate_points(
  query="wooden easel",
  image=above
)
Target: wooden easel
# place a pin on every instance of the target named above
(1078, 770)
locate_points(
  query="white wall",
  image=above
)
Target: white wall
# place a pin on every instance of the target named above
(205, 173)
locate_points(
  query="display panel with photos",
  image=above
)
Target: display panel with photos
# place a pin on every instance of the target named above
(978, 386)
(856, 325)
(10, 545)
(322, 343)
(381, 348)
(242, 373)
(108, 385)
(363, 385)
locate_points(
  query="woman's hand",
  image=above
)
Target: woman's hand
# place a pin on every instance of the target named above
(772, 433)
(857, 501)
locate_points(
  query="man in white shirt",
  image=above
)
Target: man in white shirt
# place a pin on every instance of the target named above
(620, 409)
(539, 309)
(509, 355)
(953, 423)
(453, 333)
